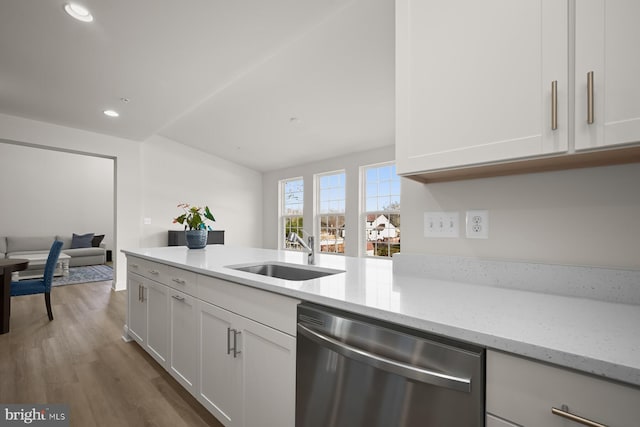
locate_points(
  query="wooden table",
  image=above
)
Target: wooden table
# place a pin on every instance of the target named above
(8, 266)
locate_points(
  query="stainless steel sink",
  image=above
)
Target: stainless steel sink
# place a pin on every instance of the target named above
(286, 271)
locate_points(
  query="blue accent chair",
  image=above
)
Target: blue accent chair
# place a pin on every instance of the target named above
(41, 286)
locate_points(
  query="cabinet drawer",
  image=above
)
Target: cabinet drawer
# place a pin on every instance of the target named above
(176, 278)
(264, 307)
(524, 391)
(497, 422)
(181, 280)
(149, 269)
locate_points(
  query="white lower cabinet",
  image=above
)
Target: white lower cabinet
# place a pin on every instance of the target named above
(220, 372)
(183, 339)
(148, 316)
(231, 346)
(524, 392)
(156, 296)
(137, 309)
(268, 361)
(247, 369)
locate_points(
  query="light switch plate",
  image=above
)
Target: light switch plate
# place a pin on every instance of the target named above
(441, 224)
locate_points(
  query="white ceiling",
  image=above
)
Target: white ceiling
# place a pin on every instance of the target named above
(227, 77)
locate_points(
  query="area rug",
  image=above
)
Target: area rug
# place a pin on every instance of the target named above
(89, 273)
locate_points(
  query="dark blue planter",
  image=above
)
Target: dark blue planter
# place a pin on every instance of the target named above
(196, 239)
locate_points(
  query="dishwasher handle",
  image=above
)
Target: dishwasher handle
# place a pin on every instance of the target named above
(389, 365)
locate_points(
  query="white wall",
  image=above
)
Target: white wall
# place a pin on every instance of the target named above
(350, 163)
(578, 217)
(155, 176)
(126, 154)
(55, 193)
(173, 173)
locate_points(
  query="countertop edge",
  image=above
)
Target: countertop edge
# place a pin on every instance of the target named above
(627, 375)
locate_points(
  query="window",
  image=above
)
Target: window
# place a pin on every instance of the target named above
(330, 212)
(291, 210)
(381, 210)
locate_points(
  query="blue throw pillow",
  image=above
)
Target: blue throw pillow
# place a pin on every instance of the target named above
(81, 240)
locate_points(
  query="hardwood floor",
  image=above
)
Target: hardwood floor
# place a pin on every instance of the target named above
(80, 359)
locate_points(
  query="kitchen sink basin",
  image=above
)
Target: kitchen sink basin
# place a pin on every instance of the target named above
(286, 271)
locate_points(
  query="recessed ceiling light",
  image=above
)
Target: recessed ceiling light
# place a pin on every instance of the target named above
(78, 12)
(111, 113)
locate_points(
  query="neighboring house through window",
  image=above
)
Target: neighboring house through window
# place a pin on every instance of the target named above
(291, 210)
(330, 211)
(381, 210)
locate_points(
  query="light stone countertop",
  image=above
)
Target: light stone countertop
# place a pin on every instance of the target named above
(590, 335)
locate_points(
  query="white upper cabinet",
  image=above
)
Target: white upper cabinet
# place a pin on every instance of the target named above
(474, 81)
(607, 45)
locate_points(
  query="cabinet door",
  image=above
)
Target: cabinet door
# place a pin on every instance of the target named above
(607, 41)
(156, 296)
(220, 373)
(268, 360)
(183, 339)
(137, 321)
(474, 81)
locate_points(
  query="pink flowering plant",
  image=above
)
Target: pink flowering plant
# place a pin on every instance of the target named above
(193, 217)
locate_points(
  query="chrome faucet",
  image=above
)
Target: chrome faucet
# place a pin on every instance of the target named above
(293, 237)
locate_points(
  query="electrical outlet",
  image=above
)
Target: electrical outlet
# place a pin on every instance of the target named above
(441, 224)
(477, 224)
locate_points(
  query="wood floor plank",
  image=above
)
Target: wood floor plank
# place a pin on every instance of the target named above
(80, 359)
(73, 395)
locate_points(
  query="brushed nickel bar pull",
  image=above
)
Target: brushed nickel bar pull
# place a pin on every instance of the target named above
(177, 297)
(228, 340)
(564, 412)
(590, 112)
(154, 272)
(180, 281)
(139, 292)
(554, 105)
(235, 343)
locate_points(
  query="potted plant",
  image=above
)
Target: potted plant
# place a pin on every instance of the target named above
(195, 230)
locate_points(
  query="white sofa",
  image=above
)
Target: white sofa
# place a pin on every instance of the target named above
(15, 246)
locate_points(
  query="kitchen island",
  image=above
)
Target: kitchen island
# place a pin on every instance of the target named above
(584, 334)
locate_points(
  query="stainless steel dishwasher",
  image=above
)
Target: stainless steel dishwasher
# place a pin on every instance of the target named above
(354, 371)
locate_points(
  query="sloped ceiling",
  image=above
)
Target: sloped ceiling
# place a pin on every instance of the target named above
(266, 84)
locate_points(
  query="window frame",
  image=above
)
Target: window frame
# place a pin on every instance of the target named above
(282, 216)
(318, 214)
(364, 213)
